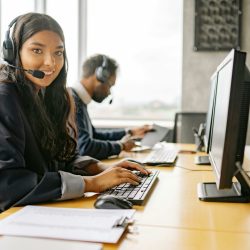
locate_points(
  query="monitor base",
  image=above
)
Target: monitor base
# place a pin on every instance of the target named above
(209, 192)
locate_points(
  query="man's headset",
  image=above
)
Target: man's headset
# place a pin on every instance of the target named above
(9, 53)
(101, 72)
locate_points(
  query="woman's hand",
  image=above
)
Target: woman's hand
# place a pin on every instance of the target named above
(131, 166)
(113, 176)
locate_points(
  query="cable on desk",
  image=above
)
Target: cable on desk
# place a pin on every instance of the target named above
(198, 170)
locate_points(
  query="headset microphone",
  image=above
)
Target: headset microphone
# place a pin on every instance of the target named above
(110, 101)
(36, 73)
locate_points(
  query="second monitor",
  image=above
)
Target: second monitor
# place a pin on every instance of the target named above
(229, 130)
(204, 159)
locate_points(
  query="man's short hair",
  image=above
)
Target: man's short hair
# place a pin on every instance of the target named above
(93, 62)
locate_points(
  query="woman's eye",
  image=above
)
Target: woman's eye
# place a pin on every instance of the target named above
(37, 51)
(59, 53)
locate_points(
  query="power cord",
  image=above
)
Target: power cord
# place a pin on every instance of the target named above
(197, 170)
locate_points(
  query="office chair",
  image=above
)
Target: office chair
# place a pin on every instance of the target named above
(183, 126)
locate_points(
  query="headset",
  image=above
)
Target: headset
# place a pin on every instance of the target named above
(9, 53)
(8, 45)
(101, 72)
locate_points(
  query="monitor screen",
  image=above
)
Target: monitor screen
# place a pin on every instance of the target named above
(229, 129)
(210, 113)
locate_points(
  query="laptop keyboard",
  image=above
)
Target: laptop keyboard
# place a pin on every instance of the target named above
(135, 194)
(161, 156)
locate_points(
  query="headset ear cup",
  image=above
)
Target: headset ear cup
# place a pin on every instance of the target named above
(105, 74)
(101, 72)
(98, 73)
(8, 50)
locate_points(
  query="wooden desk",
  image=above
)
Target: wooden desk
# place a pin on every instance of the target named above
(174, 218)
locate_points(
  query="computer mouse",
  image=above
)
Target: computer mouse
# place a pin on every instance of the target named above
(112, 202)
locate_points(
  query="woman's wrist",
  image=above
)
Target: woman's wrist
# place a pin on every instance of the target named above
(89, 184)
(94, 168)
(102, 167)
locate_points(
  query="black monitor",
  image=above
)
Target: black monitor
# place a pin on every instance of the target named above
(228, 138)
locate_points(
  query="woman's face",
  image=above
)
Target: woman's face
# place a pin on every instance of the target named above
(43, 51)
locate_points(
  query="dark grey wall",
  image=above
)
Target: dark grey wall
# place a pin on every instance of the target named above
(199, 66)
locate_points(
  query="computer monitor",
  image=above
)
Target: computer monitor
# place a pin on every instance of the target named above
(229, 133)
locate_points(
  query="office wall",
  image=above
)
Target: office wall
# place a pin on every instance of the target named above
(198, 66)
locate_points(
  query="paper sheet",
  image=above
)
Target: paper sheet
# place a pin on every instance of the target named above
(151, 138)
(95, 225)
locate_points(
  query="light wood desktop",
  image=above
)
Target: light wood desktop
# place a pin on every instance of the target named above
(173, 217)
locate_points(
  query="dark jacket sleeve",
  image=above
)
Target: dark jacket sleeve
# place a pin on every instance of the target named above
(112, 135)
(90, 142)
(23, 175)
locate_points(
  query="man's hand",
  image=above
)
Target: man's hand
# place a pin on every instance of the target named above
(141, 131)
(127, 143)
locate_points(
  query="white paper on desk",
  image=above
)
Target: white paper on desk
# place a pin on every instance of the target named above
(94, 225)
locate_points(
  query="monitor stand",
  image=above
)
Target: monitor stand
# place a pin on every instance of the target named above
(202, 160)
(209, 192)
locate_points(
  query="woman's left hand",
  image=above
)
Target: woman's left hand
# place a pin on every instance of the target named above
(131, 166)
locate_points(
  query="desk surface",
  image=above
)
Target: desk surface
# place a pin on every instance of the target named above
(174, 218)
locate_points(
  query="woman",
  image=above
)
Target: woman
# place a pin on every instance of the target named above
(38, 161)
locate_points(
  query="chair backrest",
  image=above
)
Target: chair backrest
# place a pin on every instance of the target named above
(184, 124)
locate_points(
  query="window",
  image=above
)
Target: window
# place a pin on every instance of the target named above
(8, 13)
(145, 37)
(66, 14)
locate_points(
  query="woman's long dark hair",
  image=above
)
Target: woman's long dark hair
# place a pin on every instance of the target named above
(49, 113)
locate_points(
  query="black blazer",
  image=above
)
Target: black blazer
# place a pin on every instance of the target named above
(24, 174)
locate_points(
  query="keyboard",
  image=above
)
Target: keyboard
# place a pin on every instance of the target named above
(161, 156)
(135, 194)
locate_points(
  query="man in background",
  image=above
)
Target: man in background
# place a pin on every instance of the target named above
(99, 76)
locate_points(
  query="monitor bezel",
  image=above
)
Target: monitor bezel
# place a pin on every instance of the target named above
(210, 114)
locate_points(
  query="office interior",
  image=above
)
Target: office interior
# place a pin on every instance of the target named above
(196, 69)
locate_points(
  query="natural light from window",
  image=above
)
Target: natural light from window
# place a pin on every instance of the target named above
(145, 37)
(8, 13)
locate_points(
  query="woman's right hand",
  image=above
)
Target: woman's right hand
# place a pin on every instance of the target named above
(109, 178)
